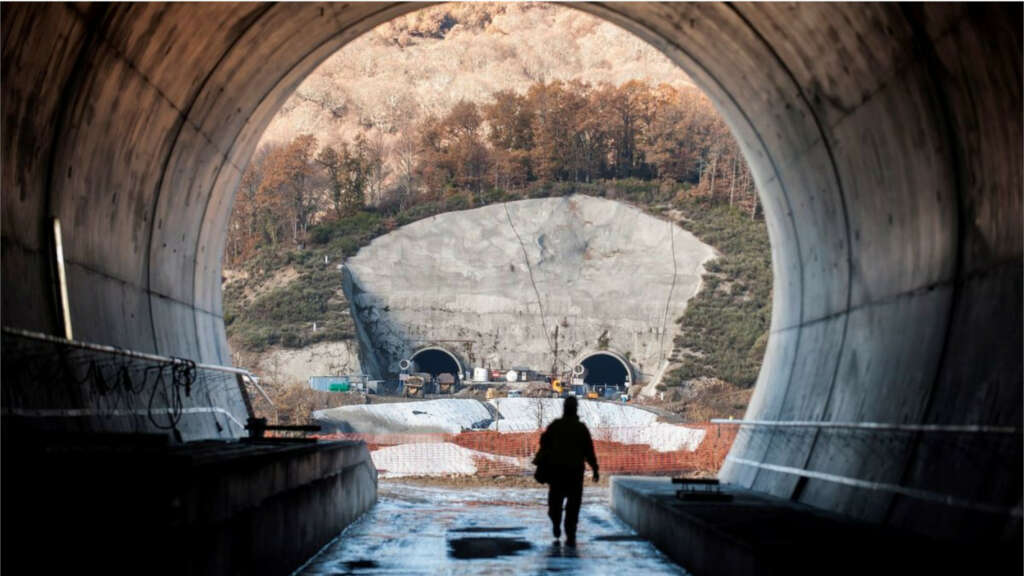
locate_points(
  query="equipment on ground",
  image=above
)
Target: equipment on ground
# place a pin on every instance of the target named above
(701, 490)
(415, 387)
(445, 383)
(419, 384)
(335, 383)
(557, 389)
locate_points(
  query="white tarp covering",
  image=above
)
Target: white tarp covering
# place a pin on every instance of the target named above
(434, 459)
(448, 415)
(608, 421)
(541, 411)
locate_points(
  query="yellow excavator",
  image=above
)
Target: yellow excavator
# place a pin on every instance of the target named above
(557, 388)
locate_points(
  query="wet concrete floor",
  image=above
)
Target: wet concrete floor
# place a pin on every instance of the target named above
(431, 530)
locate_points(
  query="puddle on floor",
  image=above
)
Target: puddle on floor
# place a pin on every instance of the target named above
(486, 547)
(488, 529)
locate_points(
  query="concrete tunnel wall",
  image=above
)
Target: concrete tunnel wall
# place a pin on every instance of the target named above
(885, 141)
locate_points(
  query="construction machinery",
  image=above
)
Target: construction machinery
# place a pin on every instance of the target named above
(445, 383)
(417, 385)
(557, 388)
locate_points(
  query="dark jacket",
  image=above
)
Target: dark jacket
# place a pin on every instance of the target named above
(566, 445)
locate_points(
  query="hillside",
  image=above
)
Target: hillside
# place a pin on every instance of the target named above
(537, 283)
(464, 106)
(427, 61)
(715, 357)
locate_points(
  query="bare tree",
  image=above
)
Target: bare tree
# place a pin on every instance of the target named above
(406, 155)
(538, 411)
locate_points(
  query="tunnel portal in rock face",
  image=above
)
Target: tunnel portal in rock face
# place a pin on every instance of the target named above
(524, 284)
(889, 166)
(436, 361)
(603, 369)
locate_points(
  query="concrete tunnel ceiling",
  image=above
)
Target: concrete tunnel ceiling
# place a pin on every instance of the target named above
(885, 141)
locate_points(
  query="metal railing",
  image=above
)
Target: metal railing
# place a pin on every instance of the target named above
(120, 390)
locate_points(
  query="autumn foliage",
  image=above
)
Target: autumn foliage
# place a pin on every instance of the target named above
(552, 132)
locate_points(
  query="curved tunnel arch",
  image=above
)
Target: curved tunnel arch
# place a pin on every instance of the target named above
(885, 142)
(452, 360)
(624, 378)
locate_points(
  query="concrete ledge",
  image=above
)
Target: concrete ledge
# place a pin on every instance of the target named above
(759, 534)
(269, 512)
(136, 505)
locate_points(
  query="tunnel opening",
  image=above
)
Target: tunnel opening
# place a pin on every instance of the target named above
(603, 369)
(435, 362)
(842, 331)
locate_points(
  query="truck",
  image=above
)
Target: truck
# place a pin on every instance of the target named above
(445, 383)
(415, 387)
(419, 384)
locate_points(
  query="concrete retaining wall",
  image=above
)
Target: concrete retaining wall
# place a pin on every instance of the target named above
(130, 505)
(696, 546)
(269, 514)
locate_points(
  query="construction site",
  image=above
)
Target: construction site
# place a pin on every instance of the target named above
(884, 434)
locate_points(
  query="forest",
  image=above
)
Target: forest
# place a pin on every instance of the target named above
(302, 203)
(520, 144)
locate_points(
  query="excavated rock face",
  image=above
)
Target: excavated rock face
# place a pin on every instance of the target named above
(534, 283)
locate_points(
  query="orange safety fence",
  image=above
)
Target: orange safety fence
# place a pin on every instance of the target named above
(691, 449)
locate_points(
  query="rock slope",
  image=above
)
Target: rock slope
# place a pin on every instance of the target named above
(534, 283)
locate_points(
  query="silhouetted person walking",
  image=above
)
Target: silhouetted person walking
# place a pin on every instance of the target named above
(564, 447)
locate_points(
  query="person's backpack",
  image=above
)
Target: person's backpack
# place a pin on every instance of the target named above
(542, 474)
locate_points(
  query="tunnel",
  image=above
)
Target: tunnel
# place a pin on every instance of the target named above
(437, 361)
(605, 369)
(885, 141)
